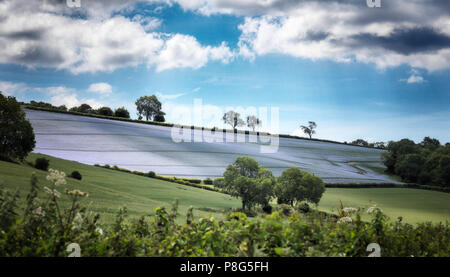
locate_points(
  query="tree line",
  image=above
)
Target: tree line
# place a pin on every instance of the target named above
(426, 163)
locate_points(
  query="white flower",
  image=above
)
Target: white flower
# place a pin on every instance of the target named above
(38, 211)
(56, 177)
(350, 210)
(77, 221)
(345, 219)
(52, 192)
(99, 230)
(372, 210)
(76, 192)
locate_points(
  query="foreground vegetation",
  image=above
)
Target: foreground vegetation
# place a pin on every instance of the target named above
(45, 229)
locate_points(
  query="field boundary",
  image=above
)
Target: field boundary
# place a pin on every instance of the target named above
(385, 185)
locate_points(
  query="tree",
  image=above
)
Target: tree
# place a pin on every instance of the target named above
(253, 121)
(396, 150)
(105, 111)
(148, 106)
(233, 119)
(122, 112)
(84, 108)
(309, 130)
(295, 185)
(409, 166)
(360, 142)
(246, 179)
(159, 117)
(16, 133)
(430, 143)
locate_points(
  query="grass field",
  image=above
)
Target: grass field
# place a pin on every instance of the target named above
(110, 190)
(414, 205)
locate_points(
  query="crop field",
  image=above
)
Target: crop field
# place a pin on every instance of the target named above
(146, 148)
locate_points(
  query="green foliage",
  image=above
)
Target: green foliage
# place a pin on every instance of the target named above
(122, 112)
(295, 185)
(151, 174)
(208, 181)
(106, 111)
(16, 133)
(42, 228)
(76, 175)
(427, 163)
(246, 179)
(42, 164)
(148, 106)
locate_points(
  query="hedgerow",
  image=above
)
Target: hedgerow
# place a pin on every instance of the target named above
(42, 228)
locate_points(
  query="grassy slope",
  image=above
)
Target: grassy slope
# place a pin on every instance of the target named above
(414, 205)
(110, 190)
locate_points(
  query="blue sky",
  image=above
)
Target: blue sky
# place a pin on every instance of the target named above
(368, 76)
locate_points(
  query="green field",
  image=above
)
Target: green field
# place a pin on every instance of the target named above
(414, 205)
(110, 190)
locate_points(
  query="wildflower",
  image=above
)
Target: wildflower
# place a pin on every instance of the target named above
(57, 177)
(99, 230)
(345, 219)
(76, 192)
(374, 209)
(350, 210)
(38, 211)
(52, 192)
(77, 221)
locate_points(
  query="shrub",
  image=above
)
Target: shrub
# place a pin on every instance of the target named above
(267, 209)
(304, 208)
(151, 174)
(208, 181)
(122, 112)
(106, 111)
(76, 175)
(42, 164)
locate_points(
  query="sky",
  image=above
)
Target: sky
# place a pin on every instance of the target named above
(359, 72)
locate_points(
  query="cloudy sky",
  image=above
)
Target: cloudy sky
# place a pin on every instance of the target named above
(358, 72)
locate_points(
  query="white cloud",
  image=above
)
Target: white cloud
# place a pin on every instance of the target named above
(414, 33)
(414, 78)
(181, 51)
(9, 88)
(101, 88)
(57, 96)
(36, 36)
(164, 97)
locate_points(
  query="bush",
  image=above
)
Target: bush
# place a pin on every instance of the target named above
(42, 164)
(151, 174)
(106, 111)
(122, 112)
(208, 181)
(76, 175)
(267, 209)
(304, 208)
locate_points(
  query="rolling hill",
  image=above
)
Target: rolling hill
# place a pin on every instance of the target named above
(146, 148)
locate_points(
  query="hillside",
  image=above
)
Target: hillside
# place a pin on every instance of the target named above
(146, 148)
(110, 190)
